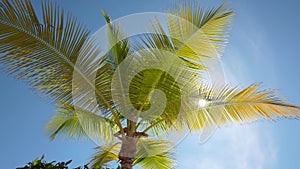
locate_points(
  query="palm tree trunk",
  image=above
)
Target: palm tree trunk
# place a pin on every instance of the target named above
(127, 152)
(126, 163)
(128, 148)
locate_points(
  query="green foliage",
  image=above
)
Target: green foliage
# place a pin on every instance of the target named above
(105, 154)
(42, 164)
(80, 123)
(153, 153)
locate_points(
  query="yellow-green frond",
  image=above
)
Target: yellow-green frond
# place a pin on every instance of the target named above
(40, 51)
(225, 105)
(45, 53)
(105, 154)
(199, 32)
(193, 33)
(75, 122)
(213, 23)
(120, 48)
(154, 154)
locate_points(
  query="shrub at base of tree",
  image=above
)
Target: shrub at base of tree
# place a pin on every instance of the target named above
(42, 164)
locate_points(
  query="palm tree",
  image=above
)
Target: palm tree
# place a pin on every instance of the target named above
(43, 51)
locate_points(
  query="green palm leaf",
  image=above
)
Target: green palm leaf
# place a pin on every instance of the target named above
(105, 154)
(121, 48)
(75, 122)
(197, 35)
(208, 31)
(45, 52)
(41, 52)
(233, 105)
(154, 154)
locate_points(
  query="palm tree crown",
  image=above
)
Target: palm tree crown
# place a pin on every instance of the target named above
(45, 51)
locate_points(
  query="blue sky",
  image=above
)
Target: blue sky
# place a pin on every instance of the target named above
(263, 47)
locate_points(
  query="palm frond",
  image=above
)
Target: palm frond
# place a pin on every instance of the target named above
(120, 48)
(105, 154)
(75, 122)
(196, 35)
(208, 31)
(154, 154)
(44, 52)
(41, 52)
(225, 105)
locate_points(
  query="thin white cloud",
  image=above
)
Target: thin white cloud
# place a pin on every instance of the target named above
(235, 147)
(250, 55)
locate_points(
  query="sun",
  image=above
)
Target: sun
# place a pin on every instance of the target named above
(202, 102)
